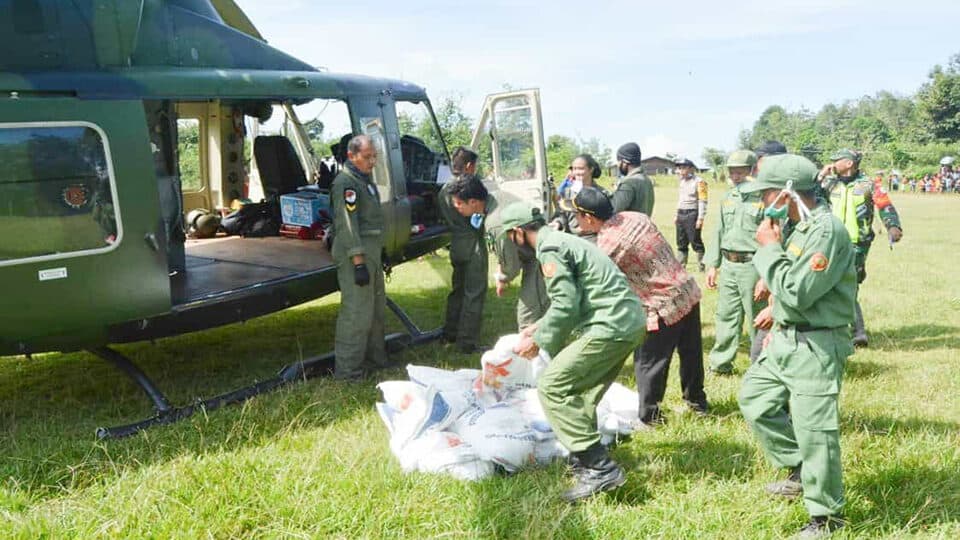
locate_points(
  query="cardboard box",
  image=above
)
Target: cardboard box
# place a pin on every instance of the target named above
(303, 208)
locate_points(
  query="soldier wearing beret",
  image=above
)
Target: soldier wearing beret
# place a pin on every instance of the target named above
(634, 191)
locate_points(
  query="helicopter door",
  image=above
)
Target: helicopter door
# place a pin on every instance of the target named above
(81, 245)
(509, 139)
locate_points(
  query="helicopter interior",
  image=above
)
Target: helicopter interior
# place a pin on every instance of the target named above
(214, 156)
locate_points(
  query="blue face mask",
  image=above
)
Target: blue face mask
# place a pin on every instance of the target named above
(476, 221)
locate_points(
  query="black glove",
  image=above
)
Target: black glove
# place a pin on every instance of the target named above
(361, 276)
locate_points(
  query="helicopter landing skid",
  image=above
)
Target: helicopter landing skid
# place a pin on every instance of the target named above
(315, 366)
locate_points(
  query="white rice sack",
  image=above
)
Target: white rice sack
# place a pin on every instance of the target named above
(505, 372)
(548, 451)
(443, 452)
(456, 387)
(413, 410)
(528, 403)
(498, 434)
(617, 411)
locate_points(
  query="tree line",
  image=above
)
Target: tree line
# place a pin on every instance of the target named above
(908, 133)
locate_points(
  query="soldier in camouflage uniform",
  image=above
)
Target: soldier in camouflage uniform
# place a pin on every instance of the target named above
(730, 254)
(854, 197)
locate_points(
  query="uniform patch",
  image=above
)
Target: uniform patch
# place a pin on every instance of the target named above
(795, 249)
(819, 262)
(549, 269)
(350, 199)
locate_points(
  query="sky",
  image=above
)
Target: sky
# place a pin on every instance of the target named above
(673, 76)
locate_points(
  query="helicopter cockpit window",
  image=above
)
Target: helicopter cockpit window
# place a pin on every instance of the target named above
(424, 158)
(57, 192)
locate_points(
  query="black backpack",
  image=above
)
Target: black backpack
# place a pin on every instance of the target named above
(254, 220)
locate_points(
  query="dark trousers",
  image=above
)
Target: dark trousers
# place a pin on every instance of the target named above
(651, 363)
(687, 232)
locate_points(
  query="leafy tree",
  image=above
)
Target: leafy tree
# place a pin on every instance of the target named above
(716, 158)
(939, 101)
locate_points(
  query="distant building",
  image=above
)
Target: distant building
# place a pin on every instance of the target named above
(657, 165)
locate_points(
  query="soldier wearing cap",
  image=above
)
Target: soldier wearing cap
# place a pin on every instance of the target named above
(465, 205)
(589, 295)
(634, 191)
(691, 211)
(669, 294)
(731, 254)
(854, 197)
(806, 257)
(357, 245)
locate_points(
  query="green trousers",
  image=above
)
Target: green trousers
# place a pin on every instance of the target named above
(803, 369)
(735, 303)
(574, 383)
(465, 300)
(359, 342)
(533, 302)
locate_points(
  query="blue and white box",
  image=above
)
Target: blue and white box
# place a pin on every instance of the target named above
(303, 207)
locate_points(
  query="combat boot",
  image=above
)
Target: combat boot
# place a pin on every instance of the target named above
(859, 328)
(594, 473)
(819, 527)
(700, 264)
(683, 259)
(790, 488)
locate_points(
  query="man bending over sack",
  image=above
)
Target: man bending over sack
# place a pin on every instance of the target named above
(589, 294)
(670, 295)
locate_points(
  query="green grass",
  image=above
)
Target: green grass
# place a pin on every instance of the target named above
(312, 460)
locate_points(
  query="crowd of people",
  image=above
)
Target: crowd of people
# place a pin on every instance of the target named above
(599, 281)
(947, 180)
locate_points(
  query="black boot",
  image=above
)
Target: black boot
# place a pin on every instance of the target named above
(700, 264)
(791, 488)
(683, 259)
(595, 472)
(820, 527)
(859, 328)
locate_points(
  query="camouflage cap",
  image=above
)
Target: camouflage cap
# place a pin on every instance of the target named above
(846, 153)
(519, 214)
(778, 170)
(741, 158)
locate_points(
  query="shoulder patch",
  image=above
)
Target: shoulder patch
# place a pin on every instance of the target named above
(350, 199)
(819, 262)
(549, 269)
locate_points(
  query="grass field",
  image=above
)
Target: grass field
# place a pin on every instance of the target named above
(312, 461)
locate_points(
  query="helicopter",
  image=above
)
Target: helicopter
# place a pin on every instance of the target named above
(120, 117)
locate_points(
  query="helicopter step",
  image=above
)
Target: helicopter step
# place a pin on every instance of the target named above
(315, 366)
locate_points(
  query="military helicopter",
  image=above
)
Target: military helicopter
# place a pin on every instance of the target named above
(97, 101)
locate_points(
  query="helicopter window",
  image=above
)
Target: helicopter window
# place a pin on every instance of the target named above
(420, 142)
(57, 191)
(513, 131)
(189, 150)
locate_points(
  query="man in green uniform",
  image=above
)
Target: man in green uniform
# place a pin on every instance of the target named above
(590, 295)
(634, 191)
(357, 244)
(731, 255)
(464, 204)
(513, 261)
(854, 197)
(808, 264)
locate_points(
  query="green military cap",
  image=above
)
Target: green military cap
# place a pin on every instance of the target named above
(846, 153)
(741, 158)
(778, 170)
(519, 214)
